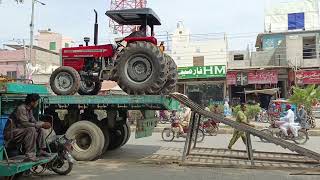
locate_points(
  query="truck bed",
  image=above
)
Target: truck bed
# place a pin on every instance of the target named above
(140, 102)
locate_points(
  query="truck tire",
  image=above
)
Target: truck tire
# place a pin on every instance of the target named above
(127, 125)
(141, 69)
(65, 81)
(118, 136)
(90, 140)
(89, 89)
(106, 134)
(172, 78)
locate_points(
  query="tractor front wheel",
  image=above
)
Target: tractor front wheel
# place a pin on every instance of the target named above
(65, 81)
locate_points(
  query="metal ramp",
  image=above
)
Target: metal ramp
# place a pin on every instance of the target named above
(192, 153)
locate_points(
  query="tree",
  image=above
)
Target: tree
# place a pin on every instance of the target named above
(308, 97)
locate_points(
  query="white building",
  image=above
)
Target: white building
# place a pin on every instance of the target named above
(296, 15)
(197, 53)
(201, 66)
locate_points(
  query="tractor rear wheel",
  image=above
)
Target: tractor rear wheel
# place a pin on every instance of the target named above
(65, 81)
(172, 78)
(141, 69)
(89, 88)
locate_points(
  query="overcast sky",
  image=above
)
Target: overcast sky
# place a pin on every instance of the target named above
(75, 18)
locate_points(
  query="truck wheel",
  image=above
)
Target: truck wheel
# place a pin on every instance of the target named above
(89, 88)
(65, 81)
(141, 69)
(118, 136)
(90, 140)
(106, 134)
(127, 125)
(172, 78)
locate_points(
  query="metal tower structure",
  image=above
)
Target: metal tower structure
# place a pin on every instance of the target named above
(124, 4)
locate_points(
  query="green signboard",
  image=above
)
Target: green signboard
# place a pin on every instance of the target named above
(202, 72)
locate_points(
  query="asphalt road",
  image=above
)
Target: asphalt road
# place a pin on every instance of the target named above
(122, 163)
(130, 171)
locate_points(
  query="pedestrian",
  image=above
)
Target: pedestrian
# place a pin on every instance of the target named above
(26, 130)
(162, 48)
(241, 118)
(302, 117)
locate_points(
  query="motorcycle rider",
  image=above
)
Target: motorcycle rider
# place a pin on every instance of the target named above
(302, 117)
(287, 122)
(185, 115)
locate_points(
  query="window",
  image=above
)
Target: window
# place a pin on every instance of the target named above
(12, 74)
(66, 45)
(198, 61)
(238, 57)
(295, 21)
(198, 50)
(178, 58)
(309, 47)
(53, 46)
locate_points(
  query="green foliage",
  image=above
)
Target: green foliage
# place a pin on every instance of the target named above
(305, 96)
(252, 111)
(220, 107)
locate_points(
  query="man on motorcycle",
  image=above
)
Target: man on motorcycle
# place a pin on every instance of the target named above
(26, 130)
(184, 118)
(287, 122)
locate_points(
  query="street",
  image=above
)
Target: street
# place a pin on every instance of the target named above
(126, 162)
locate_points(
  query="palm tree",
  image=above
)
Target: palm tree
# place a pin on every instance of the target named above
(308, 97)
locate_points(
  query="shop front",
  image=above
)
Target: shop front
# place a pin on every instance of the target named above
(203, 84)
(240, 81)
(305, 77)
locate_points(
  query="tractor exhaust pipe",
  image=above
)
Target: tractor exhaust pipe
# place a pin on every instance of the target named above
(96, 29)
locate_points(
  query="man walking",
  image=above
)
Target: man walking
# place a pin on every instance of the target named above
(241, 118)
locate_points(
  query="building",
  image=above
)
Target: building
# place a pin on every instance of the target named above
(286, 54)
(13, 63)
(53, 41)
(295, 15)
(201, 66)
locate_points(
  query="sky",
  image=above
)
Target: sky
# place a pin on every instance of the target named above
(241, 20)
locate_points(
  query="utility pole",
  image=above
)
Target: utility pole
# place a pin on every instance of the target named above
(32, 29)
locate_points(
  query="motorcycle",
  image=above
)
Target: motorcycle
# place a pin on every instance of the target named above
(274, 130)
(210, 127)
(63, 163)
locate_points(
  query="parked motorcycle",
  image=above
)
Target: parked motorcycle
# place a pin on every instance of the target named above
(273, 130)
(63, 163)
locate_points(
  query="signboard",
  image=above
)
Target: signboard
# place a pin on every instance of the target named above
(202, 72)
(242, 79)
(308, 77)
(263, 77)
(232, 78)
(252, 77)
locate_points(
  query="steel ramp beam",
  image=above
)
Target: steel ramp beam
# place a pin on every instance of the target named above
(287, 145)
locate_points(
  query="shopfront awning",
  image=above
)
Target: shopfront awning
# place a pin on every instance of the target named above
(273, 91)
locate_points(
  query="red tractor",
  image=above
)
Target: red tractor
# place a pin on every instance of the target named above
(136, 63)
